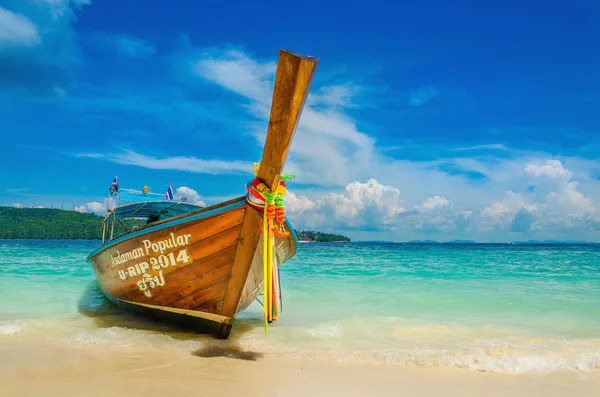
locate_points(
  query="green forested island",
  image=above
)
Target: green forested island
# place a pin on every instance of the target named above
(45, 223)
(57, 224)
(320, 237)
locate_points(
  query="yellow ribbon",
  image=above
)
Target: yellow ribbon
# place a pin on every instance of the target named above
(265, 273)
(270, 271)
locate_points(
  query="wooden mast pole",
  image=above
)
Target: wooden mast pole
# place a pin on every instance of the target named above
(292, 81)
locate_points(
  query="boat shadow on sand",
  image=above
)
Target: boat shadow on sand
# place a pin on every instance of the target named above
(93, 304)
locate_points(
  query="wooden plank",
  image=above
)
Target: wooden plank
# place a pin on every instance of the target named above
(215, 225)
(292, 80)
(213, 271)
(213, 306)
(200, 298)
(243, 260)
(179, 280)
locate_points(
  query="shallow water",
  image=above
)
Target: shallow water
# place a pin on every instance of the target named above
(500, 308)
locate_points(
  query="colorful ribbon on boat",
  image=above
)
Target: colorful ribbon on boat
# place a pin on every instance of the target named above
(271, 205)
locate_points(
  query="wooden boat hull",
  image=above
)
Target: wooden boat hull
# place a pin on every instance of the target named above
(187, 270)
(205, 266)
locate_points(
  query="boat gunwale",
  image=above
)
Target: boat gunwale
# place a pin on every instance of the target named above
(164, 223)
(205, 212)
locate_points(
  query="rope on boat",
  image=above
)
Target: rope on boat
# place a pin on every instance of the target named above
(270, 203)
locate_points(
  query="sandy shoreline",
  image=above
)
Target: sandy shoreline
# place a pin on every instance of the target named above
(54, 369)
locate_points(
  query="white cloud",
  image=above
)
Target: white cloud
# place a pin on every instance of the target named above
(438, 214)
(38, 43)
(298, 204)
(334, 95)
(500, 214)
(553, 204)
(17, 205)
(571, 199)
(62, 8)
(373, 206)
(17, 30)
(181, 163)
(555, 183)
(130, 46)
(423, 95)
(237, 72)
(434, 202)
(376, 207)
(362, 205)
(374, 202)
(552, 168)
(190, 194)
(59, 91)
(97, 207)
(133, 47)
(494, 146)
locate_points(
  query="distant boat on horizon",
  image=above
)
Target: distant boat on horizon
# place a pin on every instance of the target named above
(198, 266)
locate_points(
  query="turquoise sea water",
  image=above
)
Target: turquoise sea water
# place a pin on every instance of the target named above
(500, 308)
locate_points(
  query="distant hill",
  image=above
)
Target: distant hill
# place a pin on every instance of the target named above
(45, 223)
(314, 236)
(57, 224)
(514, 242)
(552, 242)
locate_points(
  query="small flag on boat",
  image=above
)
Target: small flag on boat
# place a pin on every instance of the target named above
(114, 186)
(169, 194)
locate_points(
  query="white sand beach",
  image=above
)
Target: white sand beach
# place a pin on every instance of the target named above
(56, 369)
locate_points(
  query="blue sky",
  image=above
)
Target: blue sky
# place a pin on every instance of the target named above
(425, 120)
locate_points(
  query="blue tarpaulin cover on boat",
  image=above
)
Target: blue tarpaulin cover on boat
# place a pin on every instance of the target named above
(166, 209)
(134, 198)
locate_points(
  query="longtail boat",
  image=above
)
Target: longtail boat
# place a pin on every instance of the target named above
(199, 266)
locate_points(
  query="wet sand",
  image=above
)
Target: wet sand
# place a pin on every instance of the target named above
(44, 368)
